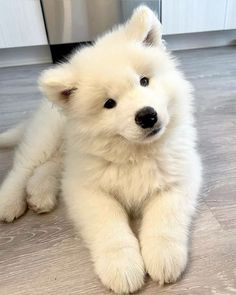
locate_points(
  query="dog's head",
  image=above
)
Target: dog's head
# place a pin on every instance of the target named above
(122, 86)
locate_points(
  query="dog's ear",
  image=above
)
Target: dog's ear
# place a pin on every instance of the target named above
(57, 84)
(144, 27)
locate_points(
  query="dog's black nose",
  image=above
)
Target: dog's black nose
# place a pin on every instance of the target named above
(146, 117)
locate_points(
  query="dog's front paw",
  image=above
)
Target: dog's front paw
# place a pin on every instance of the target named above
(41, 204)
(11, 207)
(41, 195)
(121, 270)
(164, 259)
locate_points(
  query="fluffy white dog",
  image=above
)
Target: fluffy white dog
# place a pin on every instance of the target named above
(122, 122)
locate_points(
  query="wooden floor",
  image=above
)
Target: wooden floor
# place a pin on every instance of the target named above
(43, 255)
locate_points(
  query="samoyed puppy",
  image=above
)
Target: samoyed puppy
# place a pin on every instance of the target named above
(118, 121)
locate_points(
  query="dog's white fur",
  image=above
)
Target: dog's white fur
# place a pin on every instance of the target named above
(111, 168)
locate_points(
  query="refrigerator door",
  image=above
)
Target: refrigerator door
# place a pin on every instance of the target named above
(71, 21)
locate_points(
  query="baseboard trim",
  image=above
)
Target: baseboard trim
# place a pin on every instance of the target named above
(25, 56)
(200, 40)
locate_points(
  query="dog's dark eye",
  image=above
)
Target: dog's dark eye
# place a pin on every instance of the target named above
(110, 103)
(144, 81)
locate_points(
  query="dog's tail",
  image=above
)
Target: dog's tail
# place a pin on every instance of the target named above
(12, 137)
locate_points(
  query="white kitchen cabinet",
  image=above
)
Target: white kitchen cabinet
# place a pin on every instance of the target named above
(230, 19)
(21, 23)
(189, 16)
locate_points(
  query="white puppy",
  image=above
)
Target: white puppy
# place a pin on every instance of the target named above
(123, 118)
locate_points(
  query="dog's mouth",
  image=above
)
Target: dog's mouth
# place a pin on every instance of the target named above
(153, 132)
(148, 136)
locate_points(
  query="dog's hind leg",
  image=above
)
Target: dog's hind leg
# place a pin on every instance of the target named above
(41, 140)
(44, 185)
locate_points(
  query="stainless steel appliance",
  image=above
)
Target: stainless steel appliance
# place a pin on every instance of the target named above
(75, 21)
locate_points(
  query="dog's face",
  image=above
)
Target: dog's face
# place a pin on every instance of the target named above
(115, 88)
(118, 93)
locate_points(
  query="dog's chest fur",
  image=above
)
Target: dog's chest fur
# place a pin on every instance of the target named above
(133, 183)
